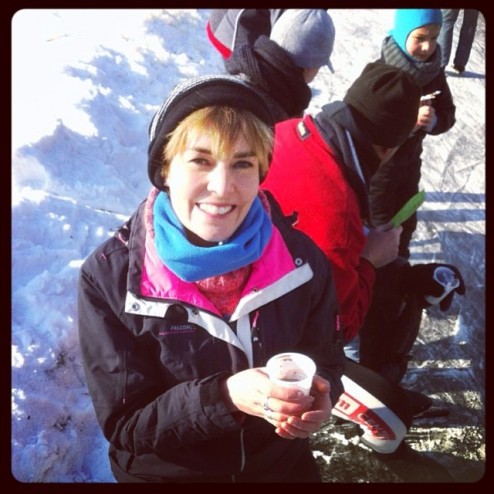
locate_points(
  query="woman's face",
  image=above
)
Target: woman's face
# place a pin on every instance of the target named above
(212, 196)
(421, 43)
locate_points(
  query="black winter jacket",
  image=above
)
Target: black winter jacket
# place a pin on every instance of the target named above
(153, 366)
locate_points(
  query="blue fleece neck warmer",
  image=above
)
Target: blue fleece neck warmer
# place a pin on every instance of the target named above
(407, 20)
(191, 262)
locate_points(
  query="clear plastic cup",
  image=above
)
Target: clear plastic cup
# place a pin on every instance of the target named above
(292, 370)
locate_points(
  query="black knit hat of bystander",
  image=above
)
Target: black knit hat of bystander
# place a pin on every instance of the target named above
(386, 101)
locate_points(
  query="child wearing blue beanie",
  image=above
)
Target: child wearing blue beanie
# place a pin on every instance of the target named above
(411, 45)
(408, 20)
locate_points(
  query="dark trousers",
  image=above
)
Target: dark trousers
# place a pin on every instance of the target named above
(391, 325)
(465, 37)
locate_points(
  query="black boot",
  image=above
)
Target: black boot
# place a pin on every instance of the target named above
(422, 406)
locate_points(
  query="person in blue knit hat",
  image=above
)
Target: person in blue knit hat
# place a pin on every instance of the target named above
(410, 45)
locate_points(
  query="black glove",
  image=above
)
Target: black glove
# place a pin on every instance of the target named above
(419, 279)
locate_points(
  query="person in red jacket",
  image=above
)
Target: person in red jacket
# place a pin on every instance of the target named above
(320, 169)
(320, 173)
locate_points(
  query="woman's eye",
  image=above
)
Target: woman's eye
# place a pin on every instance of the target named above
(243, 164)
(200, 161)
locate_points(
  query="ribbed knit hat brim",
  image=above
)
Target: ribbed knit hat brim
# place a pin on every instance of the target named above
(192, 95)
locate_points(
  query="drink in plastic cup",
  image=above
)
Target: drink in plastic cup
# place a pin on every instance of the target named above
(292, 370)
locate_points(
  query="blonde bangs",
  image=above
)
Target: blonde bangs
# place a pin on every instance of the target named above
(224, 125)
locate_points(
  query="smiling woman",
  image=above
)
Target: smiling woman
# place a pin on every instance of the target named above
(180, 311)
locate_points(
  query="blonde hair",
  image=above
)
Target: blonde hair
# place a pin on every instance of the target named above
(224, 125)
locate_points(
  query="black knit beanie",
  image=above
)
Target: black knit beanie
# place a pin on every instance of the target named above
(386, 100)
(193, 95)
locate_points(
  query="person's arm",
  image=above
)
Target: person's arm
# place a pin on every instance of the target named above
(355, 267)
(355, 281)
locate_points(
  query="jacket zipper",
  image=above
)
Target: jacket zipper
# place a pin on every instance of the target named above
(256, 336)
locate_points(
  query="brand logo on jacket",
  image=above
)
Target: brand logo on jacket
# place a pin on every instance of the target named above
(176, 329)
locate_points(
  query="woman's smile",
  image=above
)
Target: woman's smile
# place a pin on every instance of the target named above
(214, 209)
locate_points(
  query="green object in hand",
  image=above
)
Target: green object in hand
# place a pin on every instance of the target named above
(409, 208)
